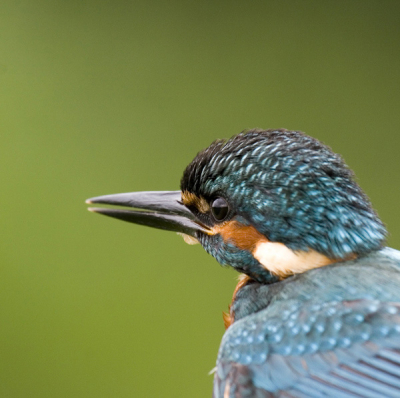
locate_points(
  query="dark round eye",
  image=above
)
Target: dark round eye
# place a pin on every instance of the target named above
(219, 208)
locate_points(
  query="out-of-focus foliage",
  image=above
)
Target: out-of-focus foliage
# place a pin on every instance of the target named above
(101, 97)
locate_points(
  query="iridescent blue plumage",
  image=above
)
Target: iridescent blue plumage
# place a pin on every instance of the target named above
(316, 312)
(329, 332)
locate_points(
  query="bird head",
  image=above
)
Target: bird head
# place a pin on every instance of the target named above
(269, 203)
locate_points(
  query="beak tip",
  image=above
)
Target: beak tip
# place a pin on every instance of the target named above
(92, 209)
(89, 201)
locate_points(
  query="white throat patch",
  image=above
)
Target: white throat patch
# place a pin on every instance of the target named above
(283, 262)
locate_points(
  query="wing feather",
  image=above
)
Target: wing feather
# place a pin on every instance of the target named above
(348, 349)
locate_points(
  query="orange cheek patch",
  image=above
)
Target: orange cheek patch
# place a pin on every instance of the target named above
(245, 237)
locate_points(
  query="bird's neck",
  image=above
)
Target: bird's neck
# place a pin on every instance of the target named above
(280, 262)
(251, 295)
(277, 262)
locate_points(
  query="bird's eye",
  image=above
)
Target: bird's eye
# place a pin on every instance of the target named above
(219, 208)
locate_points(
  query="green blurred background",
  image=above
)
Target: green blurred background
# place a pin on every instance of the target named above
(101, 97)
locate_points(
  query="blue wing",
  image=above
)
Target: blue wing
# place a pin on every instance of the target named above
(338, 349)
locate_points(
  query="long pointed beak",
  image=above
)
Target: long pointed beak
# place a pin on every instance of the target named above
(164, 210)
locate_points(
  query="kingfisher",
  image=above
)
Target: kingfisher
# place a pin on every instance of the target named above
(316, 311)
